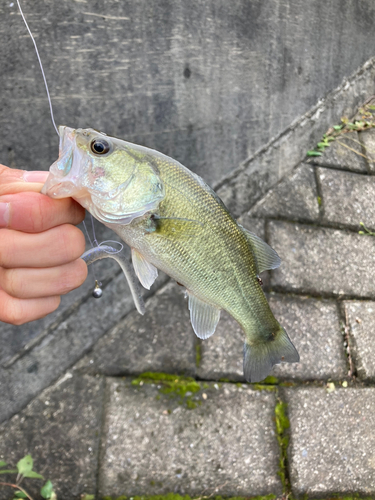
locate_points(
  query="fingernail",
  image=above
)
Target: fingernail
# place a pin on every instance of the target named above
(4, 214)
(35, 176)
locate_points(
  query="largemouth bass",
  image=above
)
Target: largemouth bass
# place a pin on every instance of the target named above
(173, 221)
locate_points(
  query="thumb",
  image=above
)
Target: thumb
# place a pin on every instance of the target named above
(16, 181)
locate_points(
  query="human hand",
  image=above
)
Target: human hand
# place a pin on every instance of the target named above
(39, 247)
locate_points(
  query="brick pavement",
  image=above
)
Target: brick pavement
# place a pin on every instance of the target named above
(91, 429)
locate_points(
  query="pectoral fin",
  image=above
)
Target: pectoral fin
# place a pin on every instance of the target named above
(146, 272)
(266, 257)
(204, 317)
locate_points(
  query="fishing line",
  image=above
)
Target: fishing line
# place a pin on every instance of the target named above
(93, 231)
(112, 250)
(40, 64)
(97, 292)
(84, 225)
(50, 107)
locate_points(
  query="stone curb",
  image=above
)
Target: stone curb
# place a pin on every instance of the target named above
(256, 175)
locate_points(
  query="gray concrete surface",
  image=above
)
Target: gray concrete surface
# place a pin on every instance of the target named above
(136, 438)
(271, 163)
(207, 447)
(61, 429)
(368, 141)
(334, 262)
(314, 326)
(347, 198)
(361, 321)
(208, 82)
(294, 198)
(160, 341)
(332, 442)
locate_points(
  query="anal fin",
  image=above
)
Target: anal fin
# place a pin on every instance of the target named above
(146, 272)
(204, 317)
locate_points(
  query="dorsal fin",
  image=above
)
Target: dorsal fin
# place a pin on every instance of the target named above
(204, 317)
(265, 256)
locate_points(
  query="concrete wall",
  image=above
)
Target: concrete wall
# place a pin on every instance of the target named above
(205, 81)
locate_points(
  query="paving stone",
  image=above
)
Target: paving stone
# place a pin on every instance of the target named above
(348, 198)
(254, 224)
(295, 197)
(345, 152)
(153, 444)
(368, 140)
(361, 317)
(60, 430)
(67, 343)
(161, 341)
(332, 447)
(221, 356)
(322, 261)
(313, 326)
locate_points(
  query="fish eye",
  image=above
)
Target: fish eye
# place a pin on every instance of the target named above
(99, 146)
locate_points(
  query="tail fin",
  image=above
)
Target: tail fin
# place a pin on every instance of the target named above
(258, 359)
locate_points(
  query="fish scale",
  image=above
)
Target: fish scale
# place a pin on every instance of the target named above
(174, 222)
(194, 263)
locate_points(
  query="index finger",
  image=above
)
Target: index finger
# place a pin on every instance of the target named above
(36, 212)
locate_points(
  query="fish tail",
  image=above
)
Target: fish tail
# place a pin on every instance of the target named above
(260, 357)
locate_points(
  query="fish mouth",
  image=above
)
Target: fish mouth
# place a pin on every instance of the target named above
(63, 179)
(57, 190)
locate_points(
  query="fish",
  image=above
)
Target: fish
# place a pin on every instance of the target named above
(174, 222)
